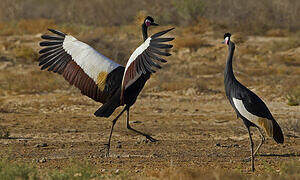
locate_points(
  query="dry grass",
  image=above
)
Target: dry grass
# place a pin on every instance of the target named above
(277, 33)
(4, 132)
(25, 54)
(266, 16)
(35, 26)
(287, 171)
(293, 96)
(84, 170)
(193, 42)
(31, 82)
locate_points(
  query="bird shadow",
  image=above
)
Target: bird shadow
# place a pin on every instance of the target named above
(17, 138)
(280, 155)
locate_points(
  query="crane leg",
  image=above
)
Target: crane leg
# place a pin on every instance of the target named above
(262, 141)
(107, 146)
(130, 128)
(251, 148)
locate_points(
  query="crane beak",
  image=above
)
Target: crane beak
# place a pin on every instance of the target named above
(154, 24)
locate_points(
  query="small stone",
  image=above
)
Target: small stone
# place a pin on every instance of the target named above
(155, 155)
(43, 160)
(158, 110)
(77, 175)
(135, 122)
(190, 91)
(117, 171)
(71, 130)
(236, 145)
(41, 145)
(103, 170)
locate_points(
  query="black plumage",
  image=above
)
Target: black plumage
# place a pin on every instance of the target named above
(61, 54)
(248, 106)
(142, 66)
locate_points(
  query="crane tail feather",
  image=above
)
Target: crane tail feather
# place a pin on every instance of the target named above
(108, 108)
(277, 133)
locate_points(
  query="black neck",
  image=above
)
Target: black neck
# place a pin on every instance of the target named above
(144, 30)
(228, 69)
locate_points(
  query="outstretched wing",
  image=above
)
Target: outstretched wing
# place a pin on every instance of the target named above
(80, 65)
(141, 60)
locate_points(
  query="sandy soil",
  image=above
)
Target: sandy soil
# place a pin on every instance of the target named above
(196, 130)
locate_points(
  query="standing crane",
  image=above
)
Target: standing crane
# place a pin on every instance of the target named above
(100, 78)
(248, 106)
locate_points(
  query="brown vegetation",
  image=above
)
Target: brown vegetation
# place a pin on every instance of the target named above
(249, 16)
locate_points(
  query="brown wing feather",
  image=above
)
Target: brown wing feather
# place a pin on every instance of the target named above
(77, 77)
(62, 63)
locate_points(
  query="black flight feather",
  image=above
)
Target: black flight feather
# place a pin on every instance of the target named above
(57, 32)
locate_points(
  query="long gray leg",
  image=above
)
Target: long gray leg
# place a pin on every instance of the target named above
(112, 128)
(130, 128)
(251, 148)
(262, 141)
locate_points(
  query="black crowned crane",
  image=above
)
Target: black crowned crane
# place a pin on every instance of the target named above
(248, 106)
(100, 78)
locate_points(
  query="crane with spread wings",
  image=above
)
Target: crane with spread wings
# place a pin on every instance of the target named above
(100, 78)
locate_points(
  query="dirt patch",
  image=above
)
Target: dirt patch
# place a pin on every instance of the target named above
(183, 106)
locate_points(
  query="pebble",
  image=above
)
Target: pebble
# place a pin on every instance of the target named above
(41, 145)
(117, 171)
(43, 160)
(136, 122)
(236, 145)
(77, 175)
(190, 91)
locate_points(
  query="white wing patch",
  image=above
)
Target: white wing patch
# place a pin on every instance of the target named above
(239, 105)
(91, 61)
(133, 56)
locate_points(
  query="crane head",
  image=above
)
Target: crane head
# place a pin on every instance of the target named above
(149, 21)
(226, 38)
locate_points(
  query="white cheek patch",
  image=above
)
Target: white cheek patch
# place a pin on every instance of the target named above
(226, 39)
(239, 105)
(147, 22)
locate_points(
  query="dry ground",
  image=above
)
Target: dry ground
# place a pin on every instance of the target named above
(47, 123)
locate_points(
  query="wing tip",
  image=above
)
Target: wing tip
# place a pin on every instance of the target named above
(57, 32)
